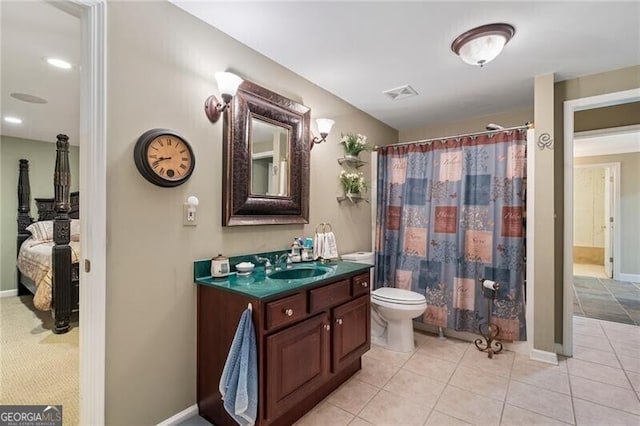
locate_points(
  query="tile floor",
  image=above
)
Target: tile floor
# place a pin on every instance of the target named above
(451, 383)
(606, 299)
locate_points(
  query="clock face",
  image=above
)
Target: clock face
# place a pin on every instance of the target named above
(169, 157)
(164, 158)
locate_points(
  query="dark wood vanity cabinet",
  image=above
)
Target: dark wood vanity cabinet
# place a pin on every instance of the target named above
(297, 363)
(309, 341)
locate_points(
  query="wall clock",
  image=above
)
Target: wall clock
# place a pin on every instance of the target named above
(164, 158)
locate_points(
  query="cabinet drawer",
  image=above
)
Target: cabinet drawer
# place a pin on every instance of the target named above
(329, 295)
(285, 311)
(360, 284)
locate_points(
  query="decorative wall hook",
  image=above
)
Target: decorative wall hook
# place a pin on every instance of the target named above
(545, 141)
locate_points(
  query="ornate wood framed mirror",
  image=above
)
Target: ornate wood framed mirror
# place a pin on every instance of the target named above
(266, 159)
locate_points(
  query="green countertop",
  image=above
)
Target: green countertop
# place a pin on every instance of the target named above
(260, 286)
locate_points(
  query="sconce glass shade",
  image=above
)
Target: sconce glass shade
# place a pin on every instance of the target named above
(228, 86)
(324, 125)
(227, 83)
(482, 44)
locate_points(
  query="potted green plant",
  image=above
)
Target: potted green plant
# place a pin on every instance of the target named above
(353, 184)
(354, 144)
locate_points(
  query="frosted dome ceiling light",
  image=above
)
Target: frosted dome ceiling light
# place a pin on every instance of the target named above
(59, 63)
(12, 120)
(482, 44)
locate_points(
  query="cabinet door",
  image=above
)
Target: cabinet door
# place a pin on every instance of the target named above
(351, 331)
(297, 363)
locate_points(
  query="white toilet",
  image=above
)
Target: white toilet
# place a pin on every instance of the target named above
(392, 311)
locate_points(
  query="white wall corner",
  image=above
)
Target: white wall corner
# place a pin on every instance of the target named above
(8, 293)
(544, 356)
(180, 417)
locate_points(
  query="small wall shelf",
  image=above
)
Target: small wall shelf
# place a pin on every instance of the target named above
(354, 163)
(354, 200)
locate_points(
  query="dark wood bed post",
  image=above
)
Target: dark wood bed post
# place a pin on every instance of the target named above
(24, 216)
(61, 305)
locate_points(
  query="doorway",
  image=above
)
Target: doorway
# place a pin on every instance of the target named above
(570, 108)
(594, 218)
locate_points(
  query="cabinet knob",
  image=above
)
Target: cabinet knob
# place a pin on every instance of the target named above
(327, 327)
(365, 284)
(288, 312)
(339, 321)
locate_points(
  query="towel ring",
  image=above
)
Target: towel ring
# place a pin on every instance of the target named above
(322, 227)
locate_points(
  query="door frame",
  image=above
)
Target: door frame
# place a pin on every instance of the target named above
(616, 212)
(570, 107)
(93, 204)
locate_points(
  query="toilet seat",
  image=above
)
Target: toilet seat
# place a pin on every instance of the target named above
(398, 296)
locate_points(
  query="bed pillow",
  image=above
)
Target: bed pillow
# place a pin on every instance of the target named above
(42, 230)
(75, 229)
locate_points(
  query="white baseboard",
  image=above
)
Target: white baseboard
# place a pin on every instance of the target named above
(631, 278)
(181, 416)
(9, 293)
(544, 356)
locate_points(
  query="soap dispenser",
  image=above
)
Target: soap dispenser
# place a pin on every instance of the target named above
(295, 251)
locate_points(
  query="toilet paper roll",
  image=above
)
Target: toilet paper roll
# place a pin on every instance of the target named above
(491, 285)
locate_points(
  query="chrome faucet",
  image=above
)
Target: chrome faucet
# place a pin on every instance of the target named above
(266, 261)
(283, 261)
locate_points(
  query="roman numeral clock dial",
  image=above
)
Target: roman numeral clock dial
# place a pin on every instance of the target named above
(164, 158)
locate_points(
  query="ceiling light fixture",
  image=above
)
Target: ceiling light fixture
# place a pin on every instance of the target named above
(228, 85)
(59, 63)
(483, 44)
(12, 120)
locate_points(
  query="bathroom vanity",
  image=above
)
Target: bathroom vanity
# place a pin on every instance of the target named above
(310, 335)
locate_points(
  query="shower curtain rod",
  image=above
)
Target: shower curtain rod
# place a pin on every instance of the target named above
(528, 125)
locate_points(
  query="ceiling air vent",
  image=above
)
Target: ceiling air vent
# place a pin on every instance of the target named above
(400, 93)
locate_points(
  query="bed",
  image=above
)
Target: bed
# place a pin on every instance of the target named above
(49, 248)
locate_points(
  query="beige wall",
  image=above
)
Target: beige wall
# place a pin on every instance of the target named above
(605, 117)
(581, 87)
(539, 163)
(629, 206)
(42, 158)
(160, 70)
(507, 119)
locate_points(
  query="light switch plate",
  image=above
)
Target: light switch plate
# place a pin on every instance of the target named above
(185, 216)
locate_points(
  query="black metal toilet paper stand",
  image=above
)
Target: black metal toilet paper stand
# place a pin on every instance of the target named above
(489, 331)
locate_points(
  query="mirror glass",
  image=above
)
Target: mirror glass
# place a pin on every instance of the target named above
(265, 175)
(269, 158)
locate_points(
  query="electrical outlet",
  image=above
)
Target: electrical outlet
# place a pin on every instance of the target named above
(189, 217)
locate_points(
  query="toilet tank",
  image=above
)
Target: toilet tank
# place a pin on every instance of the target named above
(360, 257)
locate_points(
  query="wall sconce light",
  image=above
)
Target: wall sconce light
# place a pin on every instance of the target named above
(324, 127)
(228, 85)
(482, 44)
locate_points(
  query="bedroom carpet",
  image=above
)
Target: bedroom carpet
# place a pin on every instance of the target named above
(37, 366)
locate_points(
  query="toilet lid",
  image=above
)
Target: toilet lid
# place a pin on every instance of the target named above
(398, 295)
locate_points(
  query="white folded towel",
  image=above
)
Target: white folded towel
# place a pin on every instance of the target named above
(330, 247)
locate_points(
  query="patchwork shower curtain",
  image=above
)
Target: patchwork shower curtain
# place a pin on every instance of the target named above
(451, 212)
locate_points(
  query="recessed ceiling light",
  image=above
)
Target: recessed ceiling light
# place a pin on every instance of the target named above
(59, 63)
(25, 97)
(12, 120)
